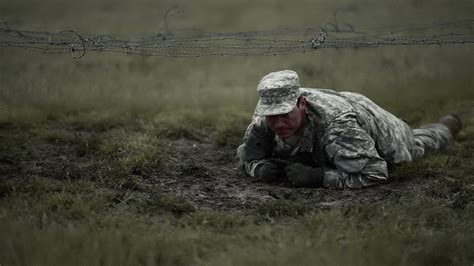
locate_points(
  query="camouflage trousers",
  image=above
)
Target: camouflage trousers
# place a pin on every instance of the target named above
(430, 138)
(424, 140)
(408, 145)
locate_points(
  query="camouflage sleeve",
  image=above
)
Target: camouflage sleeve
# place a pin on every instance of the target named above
(353, 152)
(257, 145)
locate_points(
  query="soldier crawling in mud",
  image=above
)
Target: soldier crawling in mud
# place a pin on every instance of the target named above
(323, 138)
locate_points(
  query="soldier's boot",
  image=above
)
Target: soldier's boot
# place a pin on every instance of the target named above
(452, 122)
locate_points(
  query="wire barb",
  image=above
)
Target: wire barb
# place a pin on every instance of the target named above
(72, 43)
(316, 43)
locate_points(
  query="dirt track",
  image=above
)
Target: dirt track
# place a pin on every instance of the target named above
(209, 177)
(199, 171)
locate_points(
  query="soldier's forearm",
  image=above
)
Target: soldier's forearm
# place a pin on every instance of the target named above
(250, 166)
(338, 179)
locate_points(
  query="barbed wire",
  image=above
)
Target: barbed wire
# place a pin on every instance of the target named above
(253, 43)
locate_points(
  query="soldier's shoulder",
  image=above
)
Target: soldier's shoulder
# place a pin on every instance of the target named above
(316, 90)
(320, 92)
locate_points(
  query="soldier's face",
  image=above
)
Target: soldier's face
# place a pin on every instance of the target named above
(287, 125)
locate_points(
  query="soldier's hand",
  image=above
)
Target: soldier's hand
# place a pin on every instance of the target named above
(300, 175)
(269, 171)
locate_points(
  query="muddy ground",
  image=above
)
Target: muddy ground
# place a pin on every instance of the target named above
(200, 171)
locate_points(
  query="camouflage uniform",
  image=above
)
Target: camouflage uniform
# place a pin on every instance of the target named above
(348, 135)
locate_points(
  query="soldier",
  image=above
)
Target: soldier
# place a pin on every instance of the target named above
(323, 138)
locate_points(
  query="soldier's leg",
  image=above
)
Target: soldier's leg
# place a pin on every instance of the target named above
(396, 141)
(430, 138)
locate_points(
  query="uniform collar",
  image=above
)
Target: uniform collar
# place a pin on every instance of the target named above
(305, 143)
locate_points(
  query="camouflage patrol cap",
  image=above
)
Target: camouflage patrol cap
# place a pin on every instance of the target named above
(279, 92)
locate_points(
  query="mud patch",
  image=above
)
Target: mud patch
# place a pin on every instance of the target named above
(204, 174)
(208, 176)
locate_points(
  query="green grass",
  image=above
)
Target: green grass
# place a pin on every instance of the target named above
(48, 221)
(87, 145)
(423, 231)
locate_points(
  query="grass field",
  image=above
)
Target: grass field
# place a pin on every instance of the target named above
(130, 160)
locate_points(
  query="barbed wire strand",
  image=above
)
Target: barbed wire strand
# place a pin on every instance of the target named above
(253, 43)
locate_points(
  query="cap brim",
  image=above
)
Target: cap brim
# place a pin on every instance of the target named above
(275, 109)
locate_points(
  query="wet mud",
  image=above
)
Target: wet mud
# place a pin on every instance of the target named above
(199, 171)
